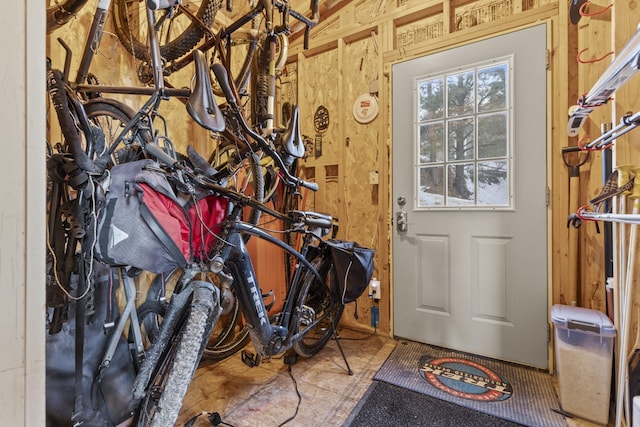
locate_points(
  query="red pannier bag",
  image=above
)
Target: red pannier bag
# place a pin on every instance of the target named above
(144, 223)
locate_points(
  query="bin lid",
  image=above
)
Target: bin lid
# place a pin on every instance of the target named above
(583, 319)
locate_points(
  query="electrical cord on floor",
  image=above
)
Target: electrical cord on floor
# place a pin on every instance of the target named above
(295, 385)
(367, 336)
(214, 418)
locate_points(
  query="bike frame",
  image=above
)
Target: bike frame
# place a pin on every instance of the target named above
(268, 339)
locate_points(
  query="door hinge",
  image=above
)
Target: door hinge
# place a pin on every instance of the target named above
(548, 196)
(548, 333)
(547, 59)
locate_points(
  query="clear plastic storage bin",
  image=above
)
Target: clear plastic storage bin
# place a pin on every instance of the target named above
(584, 351)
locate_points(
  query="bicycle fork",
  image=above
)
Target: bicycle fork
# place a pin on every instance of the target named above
(203, 293)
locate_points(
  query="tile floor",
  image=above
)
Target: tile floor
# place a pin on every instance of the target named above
(266, 396)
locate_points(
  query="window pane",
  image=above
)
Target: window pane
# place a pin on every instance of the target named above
(493, 183)
(432, 142)
(460, 138)
(460, 94)
(431, 99)
(492, 88)
(463, 148)
(461, 185)
(431, 187)
(492, 135)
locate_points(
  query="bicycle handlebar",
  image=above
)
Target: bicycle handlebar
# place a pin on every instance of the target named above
(161, 4)
(156, 151)
(314, 219)
(221, 75)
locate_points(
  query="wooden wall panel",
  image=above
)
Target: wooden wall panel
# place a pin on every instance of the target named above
(320, 90)
(361, 153)
(593, 47)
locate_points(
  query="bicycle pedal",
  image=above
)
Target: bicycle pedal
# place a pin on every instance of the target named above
(307, 315)
(250, 359)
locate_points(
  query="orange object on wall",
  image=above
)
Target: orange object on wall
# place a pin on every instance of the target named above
(268, 263)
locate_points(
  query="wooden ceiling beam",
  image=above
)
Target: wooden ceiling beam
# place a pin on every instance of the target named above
(326, 10)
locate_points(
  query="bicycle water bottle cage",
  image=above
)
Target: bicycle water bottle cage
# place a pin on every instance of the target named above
(291, 139)
(162, 4)
(201, 105)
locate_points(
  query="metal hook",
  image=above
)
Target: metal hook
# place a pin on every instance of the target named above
(583, 7)
(590, 61)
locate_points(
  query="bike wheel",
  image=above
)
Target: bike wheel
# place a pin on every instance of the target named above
(244, 174)
(176, 366)
(111, 117)
(177, 34)
(229, 334)
(266, 69)
(60, 12)
(323, 307)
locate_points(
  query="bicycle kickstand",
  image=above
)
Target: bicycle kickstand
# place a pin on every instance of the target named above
(337, 340)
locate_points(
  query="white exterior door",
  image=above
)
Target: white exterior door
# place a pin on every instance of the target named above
(469, 198)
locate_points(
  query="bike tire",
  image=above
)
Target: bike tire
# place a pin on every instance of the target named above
(111, 117)
(134, 37)
(176, 367)
(61, 12)
(228, 336)
(322, 298)
(263, 79)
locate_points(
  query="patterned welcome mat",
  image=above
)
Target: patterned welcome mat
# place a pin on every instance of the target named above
(519, 394)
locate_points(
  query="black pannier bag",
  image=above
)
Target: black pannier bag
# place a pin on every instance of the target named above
(103, 401)
(145, 224)
(353, 266)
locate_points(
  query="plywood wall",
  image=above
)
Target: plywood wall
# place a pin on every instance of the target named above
(347, 167)
(410, 28)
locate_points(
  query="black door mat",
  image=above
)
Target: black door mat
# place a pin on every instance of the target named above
(384, 404)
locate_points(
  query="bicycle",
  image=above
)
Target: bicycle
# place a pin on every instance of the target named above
(254, 81)
(195, 303)
(121, 126)
(95, 129)
(312, 306)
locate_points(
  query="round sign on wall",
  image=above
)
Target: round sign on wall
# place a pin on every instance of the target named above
(321, 119)
(365, 109)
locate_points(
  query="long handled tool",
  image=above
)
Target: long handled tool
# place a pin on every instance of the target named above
(624, 176)
(626, 297)
(573, 158)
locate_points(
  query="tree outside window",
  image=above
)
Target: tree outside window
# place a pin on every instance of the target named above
(463, 147)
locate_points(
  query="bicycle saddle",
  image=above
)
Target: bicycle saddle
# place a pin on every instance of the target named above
(291, 138)
(201, 105)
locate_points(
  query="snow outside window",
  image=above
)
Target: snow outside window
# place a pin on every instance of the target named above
(463, 137)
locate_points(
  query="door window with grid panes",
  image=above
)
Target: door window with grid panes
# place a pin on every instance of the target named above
(463, 123)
